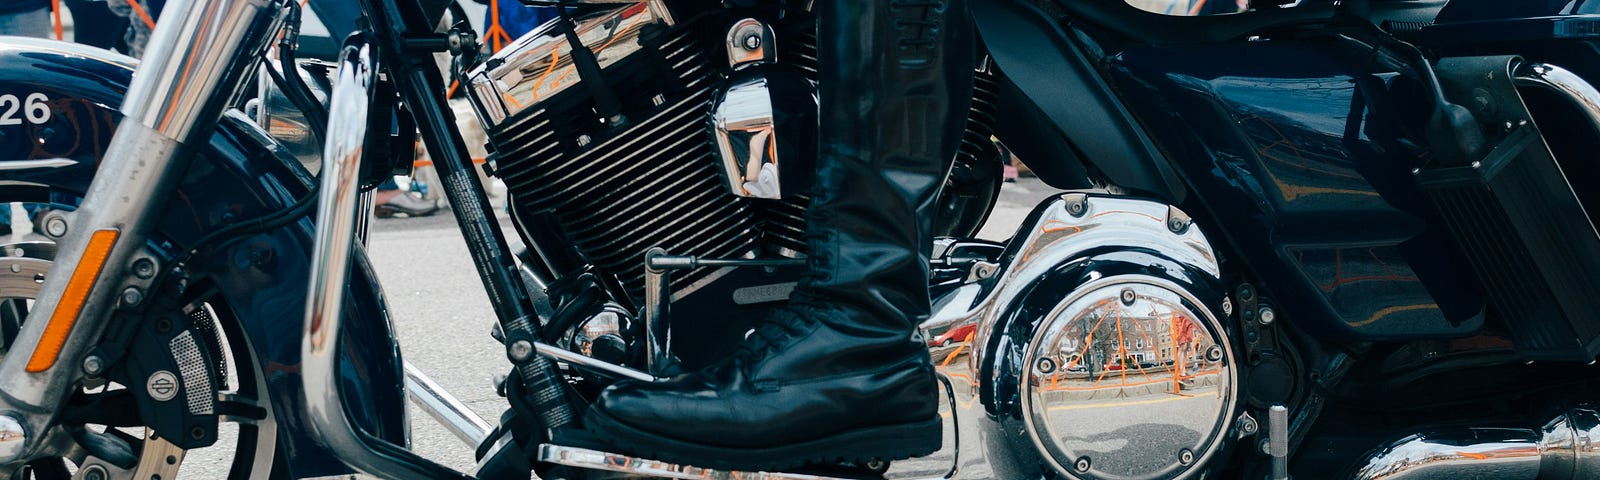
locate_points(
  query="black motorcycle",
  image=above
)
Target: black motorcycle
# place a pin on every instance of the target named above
(1333, 239)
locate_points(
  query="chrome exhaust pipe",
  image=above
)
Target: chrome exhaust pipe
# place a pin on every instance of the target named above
(1567, 448)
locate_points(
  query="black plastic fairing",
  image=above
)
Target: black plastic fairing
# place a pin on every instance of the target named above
(1053, 74)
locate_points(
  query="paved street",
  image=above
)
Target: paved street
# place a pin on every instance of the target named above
(444, 318)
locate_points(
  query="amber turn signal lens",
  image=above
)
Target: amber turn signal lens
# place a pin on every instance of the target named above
(66, 314)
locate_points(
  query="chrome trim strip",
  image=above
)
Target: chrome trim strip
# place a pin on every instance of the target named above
(446, 408)
(333, 242)
(11, 165)
(1562, 81)
(612, 462)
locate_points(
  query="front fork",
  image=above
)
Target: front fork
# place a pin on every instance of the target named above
(192, 70)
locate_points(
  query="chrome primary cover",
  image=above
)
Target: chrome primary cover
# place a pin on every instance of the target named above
(1130, 379)
(1120, 375)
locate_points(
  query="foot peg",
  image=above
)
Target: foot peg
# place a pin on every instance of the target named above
(645, 468)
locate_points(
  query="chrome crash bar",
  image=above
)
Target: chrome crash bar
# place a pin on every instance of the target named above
(330, 265)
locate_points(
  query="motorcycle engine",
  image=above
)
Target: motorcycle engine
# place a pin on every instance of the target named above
(610, 187)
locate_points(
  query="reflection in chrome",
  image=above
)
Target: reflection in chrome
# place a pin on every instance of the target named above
(1161, 317)
(1564, 82)
(1129, 383)
(763, 114)
(284, 121)
(539, 65)
(1568, 447)
(332, 244)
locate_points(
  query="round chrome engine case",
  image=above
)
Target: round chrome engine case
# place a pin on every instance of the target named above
(1130, 377)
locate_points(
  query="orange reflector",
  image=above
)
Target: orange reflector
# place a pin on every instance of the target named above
(66, 314)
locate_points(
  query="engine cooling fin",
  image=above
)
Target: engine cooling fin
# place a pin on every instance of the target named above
(616, 192)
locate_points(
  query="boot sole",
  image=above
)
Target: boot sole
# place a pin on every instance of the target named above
(860, 446)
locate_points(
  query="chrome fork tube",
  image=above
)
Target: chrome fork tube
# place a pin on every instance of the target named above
(330, 265)
(192, 69)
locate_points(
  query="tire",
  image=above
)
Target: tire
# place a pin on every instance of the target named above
(252, 435)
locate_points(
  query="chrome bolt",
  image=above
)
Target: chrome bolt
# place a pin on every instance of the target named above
(12, 439)
(658, 100)
(144, 268)
(583, 140)
(1477, 165)
(132, 296)
(1177, 225)
(1227, 307)
(93, 365)
(1082, 464)
(521, 350)
(94, 472)
(1076, 207)
(752, 41)
(1247, 425)
(1214, 354)
(1185, 457)
(55, 226)
(1266, 316)
(1127, 296)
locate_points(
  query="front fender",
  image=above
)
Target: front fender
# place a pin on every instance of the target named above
(241, 174)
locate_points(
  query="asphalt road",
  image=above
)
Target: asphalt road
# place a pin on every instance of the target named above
(443, 319)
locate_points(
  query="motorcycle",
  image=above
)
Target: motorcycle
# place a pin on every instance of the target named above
(1338, 239)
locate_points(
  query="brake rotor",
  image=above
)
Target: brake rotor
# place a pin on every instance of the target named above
(22, 272)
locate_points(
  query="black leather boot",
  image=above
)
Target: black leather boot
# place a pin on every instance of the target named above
(838, 374)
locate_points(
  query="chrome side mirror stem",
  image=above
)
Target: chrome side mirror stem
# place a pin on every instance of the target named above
(330, 265)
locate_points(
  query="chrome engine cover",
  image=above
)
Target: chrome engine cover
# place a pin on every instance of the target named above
(1096, 340)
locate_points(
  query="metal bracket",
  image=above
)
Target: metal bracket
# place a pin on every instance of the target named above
(658, 266)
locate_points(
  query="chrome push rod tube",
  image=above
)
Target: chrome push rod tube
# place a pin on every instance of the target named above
(330, 265)
(193, 68)
(444, 407)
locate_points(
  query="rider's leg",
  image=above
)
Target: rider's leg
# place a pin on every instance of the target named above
(839, 373)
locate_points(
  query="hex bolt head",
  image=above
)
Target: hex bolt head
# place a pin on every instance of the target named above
(752, 41)
(1077, 207)
(55, 226)
(94, 472)
(1082, 465)
(520, 350)
(1266, 316)
(1247, 425)
(132, 296)
(1185, 457)
(1227, 307)
(1214, 354)
(1127, 296)
(144, 268)
(1177, 225)
(93, 365)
